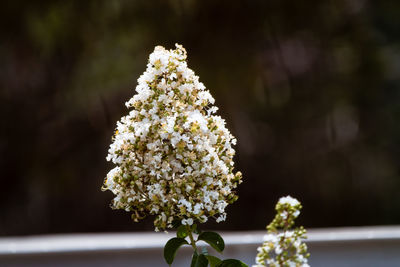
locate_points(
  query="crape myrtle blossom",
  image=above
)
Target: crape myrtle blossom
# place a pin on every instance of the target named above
(173, 155)
(284, 248)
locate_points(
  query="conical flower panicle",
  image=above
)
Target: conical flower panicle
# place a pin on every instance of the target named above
(173, 155)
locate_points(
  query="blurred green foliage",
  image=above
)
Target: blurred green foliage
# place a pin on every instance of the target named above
(310, 89)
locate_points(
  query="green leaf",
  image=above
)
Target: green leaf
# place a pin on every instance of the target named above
(172, 247)
(195, 229)
(232, 263)
(176, 223)
(182, 231)
(214, 261)
(194, 258)
(213, 239)
(199, 261)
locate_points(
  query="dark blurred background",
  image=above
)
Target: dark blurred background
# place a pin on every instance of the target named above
(309, 88)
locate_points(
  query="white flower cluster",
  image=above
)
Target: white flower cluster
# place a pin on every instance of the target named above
(284, 248)
(289, 200)
(173, 155)
(292, 202)
(276, 244)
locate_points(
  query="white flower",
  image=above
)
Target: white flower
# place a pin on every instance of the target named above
(187, 221)
(174, 157)
(270, 238)
(289, 200)
(278, 250)
(296, 213)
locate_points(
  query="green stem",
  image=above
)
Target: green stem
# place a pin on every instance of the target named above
(192, 242)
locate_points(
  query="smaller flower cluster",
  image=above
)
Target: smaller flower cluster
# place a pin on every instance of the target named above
(284, 248)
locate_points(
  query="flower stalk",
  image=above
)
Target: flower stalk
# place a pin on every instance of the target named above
(192, 242)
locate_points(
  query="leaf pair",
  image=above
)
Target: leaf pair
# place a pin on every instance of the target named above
(172, 246)
(203, 260)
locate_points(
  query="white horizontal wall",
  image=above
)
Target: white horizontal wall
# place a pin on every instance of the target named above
(363, 246)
